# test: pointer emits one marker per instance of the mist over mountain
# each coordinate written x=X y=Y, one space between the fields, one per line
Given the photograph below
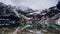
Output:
x=34 y=4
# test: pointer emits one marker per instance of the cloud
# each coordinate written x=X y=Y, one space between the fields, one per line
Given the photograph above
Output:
x=39 y=4
x=6 y=2
x=34 y=4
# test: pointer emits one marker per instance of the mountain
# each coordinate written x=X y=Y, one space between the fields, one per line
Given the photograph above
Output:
x=7 y=16
x=24 y=10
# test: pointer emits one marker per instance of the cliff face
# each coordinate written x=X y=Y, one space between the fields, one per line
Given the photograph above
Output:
x=58 y=5
x=7 y=16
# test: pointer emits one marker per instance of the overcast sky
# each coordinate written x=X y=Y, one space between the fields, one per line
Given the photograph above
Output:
x=34 y=4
